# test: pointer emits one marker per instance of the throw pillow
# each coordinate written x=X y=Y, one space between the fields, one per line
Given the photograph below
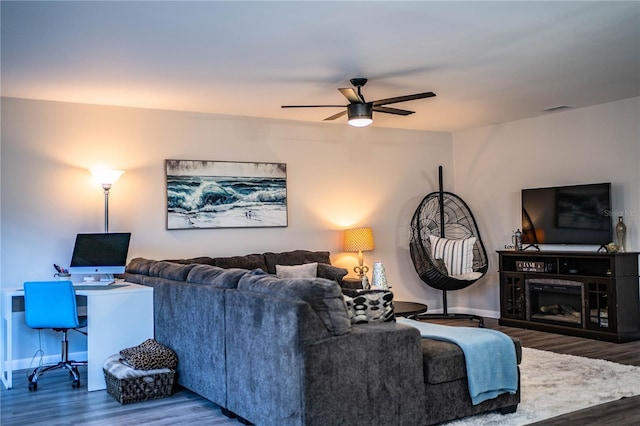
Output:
x=331 y=272
x=308 y=270
x=456 y=254
x=370 y=306
x=149 y=355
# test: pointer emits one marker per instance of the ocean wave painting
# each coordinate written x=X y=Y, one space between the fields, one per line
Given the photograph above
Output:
x=223 y=194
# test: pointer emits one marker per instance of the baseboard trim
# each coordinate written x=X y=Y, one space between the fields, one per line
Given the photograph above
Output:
x=460 y=310
x=28 y=363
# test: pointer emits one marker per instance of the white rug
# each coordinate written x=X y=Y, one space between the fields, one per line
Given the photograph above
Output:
x=554 y=384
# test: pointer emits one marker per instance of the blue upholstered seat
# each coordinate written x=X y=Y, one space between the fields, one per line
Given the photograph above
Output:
x=52 y=305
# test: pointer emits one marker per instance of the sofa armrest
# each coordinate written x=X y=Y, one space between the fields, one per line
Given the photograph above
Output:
x=285 y=368
x=372 y=375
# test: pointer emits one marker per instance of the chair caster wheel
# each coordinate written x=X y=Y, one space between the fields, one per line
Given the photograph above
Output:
x=75 y=384
x=33 y=386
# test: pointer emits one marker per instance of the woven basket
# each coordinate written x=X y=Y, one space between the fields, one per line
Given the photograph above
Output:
x=134 y=389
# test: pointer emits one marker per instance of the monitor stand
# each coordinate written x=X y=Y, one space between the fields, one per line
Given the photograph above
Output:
x=102 y=279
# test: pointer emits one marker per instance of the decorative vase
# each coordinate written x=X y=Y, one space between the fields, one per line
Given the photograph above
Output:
x=621 y=232
x=379 y=278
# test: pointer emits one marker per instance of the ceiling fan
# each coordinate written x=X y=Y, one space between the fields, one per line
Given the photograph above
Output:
x=359 y=111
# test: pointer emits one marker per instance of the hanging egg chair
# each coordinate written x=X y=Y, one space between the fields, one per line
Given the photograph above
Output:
x=446 y=248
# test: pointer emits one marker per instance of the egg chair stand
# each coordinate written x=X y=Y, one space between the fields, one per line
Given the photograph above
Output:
x=444 y=214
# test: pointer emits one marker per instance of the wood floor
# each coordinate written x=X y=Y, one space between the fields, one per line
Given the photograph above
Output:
x=56 y=403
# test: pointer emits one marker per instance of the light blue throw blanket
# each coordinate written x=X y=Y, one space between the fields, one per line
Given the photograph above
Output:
x=490 y=357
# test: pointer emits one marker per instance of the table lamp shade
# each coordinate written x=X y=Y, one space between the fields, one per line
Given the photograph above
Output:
x=358 y=239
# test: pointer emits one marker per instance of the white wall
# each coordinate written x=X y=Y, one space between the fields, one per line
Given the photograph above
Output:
x=587 y=145
x=338 y=177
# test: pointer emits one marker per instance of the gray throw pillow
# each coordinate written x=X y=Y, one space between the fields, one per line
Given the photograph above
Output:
x=331 y=272
x=307 y=270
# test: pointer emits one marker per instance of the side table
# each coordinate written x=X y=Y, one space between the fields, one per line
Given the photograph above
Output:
x=352 y=283
x=409 y=309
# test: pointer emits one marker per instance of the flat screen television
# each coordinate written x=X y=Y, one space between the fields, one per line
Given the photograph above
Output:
x=100 y=253
x=577 y=214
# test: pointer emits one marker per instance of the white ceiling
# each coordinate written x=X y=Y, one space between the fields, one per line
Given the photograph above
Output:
x=488 y=62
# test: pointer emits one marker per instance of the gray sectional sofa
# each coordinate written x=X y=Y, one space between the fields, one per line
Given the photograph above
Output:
x=276 y=351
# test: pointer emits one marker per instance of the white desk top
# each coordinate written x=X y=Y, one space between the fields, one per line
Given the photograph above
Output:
x=93 y=290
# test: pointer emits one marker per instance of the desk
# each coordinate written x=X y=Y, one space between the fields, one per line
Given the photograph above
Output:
x=117 y=318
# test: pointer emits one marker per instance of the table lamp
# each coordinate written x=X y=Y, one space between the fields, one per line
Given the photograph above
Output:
x=359 y=239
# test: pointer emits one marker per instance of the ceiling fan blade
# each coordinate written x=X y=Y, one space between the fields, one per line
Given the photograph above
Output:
x=403 y=98
x=392 y=110
x=313 y=106
x=351 y=95
x=334 y=116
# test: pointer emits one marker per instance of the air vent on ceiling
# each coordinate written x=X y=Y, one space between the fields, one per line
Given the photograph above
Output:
x=557 y=108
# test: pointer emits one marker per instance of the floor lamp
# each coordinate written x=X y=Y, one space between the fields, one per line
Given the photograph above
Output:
x=106 y=177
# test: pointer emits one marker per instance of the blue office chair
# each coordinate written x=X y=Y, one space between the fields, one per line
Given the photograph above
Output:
x=52 y=304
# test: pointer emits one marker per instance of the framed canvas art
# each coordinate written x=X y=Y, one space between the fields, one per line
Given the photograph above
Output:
x=225 y=194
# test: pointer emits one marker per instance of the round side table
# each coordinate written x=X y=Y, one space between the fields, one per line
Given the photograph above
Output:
x=409 y=309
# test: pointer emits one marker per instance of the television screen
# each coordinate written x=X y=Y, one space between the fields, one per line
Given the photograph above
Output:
x=578 y=214
x=100 y=253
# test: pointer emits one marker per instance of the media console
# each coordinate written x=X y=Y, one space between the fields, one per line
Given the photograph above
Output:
x=585 y=294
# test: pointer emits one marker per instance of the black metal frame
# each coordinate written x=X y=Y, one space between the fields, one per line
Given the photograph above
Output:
x=65 y=362
x=446 y=215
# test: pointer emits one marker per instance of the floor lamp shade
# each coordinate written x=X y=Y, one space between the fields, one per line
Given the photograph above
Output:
x=106 y=177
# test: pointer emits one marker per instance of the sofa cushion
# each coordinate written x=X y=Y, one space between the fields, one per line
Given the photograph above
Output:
x=250 y=262
x=202 y=260
x=370 y=306
x=296 y=257
x=213 y=275
x=170 y=270
x=444 y=361
x=324 y=296
x=140 y=265
x=306 y=270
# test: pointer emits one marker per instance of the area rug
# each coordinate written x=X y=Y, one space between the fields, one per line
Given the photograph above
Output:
x=554 y=384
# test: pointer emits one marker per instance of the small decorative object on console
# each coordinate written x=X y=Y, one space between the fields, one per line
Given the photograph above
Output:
x=529 y=266
x=517 y=239
x=621 y=232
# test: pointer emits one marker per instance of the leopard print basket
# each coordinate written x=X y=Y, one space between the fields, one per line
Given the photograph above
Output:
x=149 y=355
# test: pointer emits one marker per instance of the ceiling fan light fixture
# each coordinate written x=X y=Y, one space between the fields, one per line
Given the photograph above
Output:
x=360 y=115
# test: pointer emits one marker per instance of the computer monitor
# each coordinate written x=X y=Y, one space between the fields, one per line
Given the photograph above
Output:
x=100 y=254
